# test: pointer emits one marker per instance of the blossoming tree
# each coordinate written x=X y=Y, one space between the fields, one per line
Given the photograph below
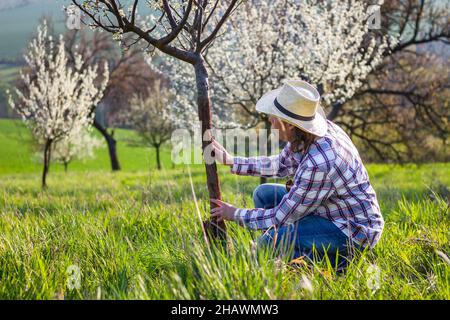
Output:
x=181 y=82
x=325 y=42
x=151 y=116
x=128 y=74
x=182 y=29
x=55 y=98
x=79 y=144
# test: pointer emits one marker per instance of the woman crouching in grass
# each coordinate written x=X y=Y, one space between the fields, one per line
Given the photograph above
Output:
x=329 y=208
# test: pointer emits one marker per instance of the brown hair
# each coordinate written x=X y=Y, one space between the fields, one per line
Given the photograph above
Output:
x=300 y=140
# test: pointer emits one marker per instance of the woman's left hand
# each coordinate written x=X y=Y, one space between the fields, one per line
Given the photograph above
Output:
x=224 y=211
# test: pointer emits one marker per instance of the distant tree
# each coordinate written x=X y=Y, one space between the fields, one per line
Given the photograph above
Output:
x=55 y=98
x=129 y=74
x=151 y=116
x=79 y=144
x=403 y=112
x=327 y=43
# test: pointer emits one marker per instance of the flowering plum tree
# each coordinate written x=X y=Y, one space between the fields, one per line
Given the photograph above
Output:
x=128 y=73
x=151 y=116
x=55 y=99
x=79 y=144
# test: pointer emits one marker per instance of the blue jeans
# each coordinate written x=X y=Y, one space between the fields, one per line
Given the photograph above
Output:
x=312 y=236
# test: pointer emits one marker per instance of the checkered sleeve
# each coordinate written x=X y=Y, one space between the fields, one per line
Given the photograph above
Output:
x=311 y=187
x=274 y=166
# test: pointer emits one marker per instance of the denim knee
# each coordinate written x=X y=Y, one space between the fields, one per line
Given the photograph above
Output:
x=268 y=195
x=257 y=201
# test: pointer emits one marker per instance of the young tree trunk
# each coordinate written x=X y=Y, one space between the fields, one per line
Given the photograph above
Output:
x=66 y=165
x=112 y=150
x=47 y=155
x=267 y=126
x=158 y=159
x=335 y=110
x=213 y=228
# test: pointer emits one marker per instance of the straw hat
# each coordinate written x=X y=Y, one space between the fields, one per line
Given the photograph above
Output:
x=298 y=103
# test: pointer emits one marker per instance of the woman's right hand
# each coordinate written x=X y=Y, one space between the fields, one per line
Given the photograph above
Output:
x=221 y=154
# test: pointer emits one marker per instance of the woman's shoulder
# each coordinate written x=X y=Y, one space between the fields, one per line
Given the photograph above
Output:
x=321 y=154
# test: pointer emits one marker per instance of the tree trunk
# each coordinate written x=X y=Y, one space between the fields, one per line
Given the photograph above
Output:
x=335 y=110
x=158 y=159
x=267 y=126
x=66 y=165
x=47 y=155
x=112 y=150
x=214 y=229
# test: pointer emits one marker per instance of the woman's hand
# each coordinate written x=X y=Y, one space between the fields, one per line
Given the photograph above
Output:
x=224 y=211
x=221 y=154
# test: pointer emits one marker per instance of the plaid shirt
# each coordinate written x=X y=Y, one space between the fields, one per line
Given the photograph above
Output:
x=330 y=181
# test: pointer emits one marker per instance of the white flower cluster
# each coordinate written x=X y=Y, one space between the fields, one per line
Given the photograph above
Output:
x=151 y=115
x=326 y=42
x=57 y=98
x=183 y=109
x=80 y=144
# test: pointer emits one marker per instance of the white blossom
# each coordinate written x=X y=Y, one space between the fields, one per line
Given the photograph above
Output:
x=183 y=110
x=79 y=144
x=56 y=98
x=269 y=41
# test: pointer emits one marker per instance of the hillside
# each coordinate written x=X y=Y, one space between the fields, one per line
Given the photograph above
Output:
x=20 y=21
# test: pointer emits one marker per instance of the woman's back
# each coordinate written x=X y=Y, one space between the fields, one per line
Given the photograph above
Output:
x=352 y=205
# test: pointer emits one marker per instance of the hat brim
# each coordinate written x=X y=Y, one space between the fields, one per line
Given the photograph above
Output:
x=318 y=126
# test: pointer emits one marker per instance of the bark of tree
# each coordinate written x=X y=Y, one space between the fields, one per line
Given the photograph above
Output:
x=267 y=126
x=215 y=229
x=112 y=150
x=158 y=159
x=335 y=110
x=66 y=165
x=47 y=156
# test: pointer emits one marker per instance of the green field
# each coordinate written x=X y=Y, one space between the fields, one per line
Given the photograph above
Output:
x=17 y=155
x=137 y=233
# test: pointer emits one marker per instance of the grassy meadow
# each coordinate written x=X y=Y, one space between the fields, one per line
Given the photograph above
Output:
x=136 y=234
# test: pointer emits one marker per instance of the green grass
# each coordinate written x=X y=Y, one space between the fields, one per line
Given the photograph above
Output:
x=137 y=234
x=18 y=156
